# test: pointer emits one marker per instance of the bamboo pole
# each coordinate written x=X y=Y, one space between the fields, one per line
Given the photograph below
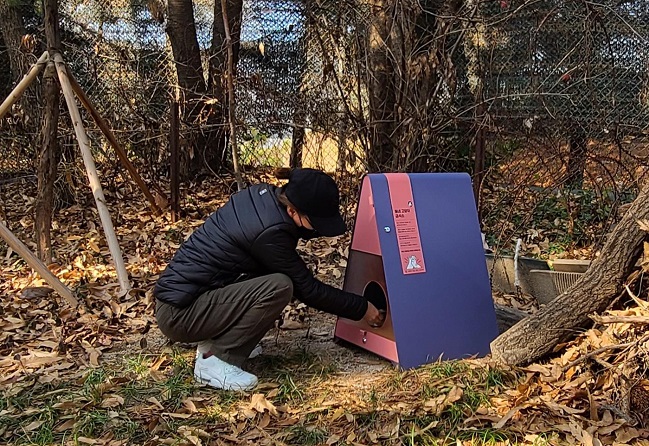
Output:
x=231 y=102
x=33 y=261
x=23 y=84
x=95 y=185
x=121 y=154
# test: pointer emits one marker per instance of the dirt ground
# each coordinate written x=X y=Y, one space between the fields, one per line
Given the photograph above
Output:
x=315 y=336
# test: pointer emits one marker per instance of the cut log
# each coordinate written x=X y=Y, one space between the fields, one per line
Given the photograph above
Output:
x=507 y=317
x=536 y=335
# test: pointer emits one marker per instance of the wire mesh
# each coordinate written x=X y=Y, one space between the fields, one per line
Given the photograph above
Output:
x=557 y=92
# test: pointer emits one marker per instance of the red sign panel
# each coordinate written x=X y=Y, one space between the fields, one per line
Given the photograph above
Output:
x=405 y=224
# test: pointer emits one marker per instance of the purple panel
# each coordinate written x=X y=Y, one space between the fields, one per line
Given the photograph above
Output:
x=447 y=311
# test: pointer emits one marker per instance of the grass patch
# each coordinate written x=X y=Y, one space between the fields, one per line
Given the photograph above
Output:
x=128 y=429
x=473 y=398
x=133 y=392
x=93 y=384
x=92 y=424
x=302 y=363
x=485 y=436
x=180 y=362
x=374 y=397
x=446 y=369
x=310 y=409
x=41 y=435
x=417 y=434
x=308 y=435
x=288 y=390
x=137 y=365
x=495 y=378
x=176 y=388
x=397 y=381
x=367 y=420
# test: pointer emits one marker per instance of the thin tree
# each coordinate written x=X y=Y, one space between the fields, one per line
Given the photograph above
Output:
x=49 y=154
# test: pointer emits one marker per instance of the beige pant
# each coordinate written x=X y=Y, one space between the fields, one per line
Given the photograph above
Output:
x=233 y=318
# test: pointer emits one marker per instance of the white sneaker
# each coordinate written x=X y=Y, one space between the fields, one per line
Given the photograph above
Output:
x=218 y=373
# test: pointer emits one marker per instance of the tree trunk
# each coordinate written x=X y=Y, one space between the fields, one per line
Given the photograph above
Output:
x=561 y=319
x=181 y=29
x=577 y=157
x=382 y=90
x=218 y=69
x=12 y=28
x=5 y=69
x=297 y=146
x=219 y=50
x=49 y=155
x=507 y=317
x=231 y=97
x=48 y=160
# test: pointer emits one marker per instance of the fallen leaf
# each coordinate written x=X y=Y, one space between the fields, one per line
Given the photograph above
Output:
x=265 y=421
x=155 y=401
x=33 y=425
x=293 y=325
x=259 y=403
x=189 y=404
x=625 y=435
x=69 y=424
x=333 y=439
x=112 y=401
x=177 y=415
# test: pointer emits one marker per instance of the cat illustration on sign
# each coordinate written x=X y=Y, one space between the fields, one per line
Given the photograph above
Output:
x=412 y=263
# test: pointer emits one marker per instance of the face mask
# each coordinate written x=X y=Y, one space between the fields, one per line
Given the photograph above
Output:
x=307 y=234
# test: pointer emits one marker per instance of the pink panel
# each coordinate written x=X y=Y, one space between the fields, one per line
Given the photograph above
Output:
x=366 y=236
x=367 y=340
x=405 y=223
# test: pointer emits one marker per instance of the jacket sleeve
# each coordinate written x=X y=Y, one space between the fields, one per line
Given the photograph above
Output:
x=275 y=250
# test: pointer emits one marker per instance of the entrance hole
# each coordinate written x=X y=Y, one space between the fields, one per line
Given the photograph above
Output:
x=374 y=293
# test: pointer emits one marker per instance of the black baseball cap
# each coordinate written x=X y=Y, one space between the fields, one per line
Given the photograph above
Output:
x=315 y=194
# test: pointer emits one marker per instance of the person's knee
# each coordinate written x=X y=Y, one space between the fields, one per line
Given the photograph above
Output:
x=283 y=286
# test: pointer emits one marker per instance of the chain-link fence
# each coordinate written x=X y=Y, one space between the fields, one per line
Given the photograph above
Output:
x=544 y=93
x=566 y=112
x=294 y=84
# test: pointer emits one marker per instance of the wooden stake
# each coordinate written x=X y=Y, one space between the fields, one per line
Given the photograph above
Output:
x=231 y=103
x=23 y=84
x=121 y=154
x=95 y=185
x=33 y=261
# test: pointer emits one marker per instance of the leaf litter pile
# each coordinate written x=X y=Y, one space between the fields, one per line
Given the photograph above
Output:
x=102 y=374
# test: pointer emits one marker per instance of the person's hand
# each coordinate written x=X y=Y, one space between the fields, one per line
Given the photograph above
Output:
x=374 y=317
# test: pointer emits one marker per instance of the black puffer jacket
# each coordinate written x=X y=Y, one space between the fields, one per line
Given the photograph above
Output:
x=251 y=235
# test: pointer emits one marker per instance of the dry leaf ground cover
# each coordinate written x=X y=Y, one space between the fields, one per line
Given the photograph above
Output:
x=103 y=374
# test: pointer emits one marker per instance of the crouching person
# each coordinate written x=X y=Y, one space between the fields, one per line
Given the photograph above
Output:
x=231 y=279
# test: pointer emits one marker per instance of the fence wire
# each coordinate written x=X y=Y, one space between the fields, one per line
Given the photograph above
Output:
x=556 y=92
